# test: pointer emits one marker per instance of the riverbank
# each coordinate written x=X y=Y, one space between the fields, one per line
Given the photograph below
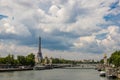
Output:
x=37 y=67
x=14 y=69
x=110 y=72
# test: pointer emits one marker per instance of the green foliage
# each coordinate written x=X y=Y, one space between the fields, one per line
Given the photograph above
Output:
x=30 y=59
x=115 y=58
x=9 y=59
x=2 y=61
x=21 y=60
x=63 y=61
x=102 y=61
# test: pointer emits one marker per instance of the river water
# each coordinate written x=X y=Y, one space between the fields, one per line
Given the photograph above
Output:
x=54 y=74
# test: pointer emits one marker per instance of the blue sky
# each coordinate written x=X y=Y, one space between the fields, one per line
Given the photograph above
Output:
x=72 y=29
x=3 y=16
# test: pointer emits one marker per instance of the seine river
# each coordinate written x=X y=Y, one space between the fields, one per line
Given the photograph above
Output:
x=55 y=74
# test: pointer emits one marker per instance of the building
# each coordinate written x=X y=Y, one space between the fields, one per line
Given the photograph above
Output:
x=39 y=57
x=105 y=59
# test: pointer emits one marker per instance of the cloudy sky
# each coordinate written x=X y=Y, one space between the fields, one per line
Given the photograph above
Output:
x=71 y=29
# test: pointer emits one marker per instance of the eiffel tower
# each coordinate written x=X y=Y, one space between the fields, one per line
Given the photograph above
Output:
x=39 y=54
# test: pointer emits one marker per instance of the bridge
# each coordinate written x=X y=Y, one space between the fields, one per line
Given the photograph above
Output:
x=65 y=66
x=77 y=66
x=87 y=65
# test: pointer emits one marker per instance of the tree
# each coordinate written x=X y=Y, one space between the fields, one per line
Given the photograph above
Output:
x=115 y=58
x=21 y=60
x=9 y=59
x=102 y=61
x=55 y=60
x=30 y=59
x=2 y=61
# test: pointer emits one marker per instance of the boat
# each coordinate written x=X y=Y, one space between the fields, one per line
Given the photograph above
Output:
x=99 y=69
x=111 y=76
x=102 y=73
x=42 y=67
x=111 y=73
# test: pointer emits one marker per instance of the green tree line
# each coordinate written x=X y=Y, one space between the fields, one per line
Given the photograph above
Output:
x=21 y=60
x=64 y=61
x=115 y=58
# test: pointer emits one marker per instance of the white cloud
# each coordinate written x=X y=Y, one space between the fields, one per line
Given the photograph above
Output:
x=53 y=10
x=7 y=27
x=83 y=18
x=12 y=48
x=112 y=40
x=92 y=43
x=84 y=41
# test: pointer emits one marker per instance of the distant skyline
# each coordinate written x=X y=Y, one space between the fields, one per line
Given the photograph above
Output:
x=71 y=29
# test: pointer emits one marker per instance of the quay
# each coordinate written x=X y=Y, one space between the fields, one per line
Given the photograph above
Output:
x=66 y=66
x=110 y=72
x=9 y=68
x=53 y=66
x=15 y=69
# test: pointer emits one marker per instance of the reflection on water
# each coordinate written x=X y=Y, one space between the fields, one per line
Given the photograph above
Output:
x=55 y=74
x=104 y=78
